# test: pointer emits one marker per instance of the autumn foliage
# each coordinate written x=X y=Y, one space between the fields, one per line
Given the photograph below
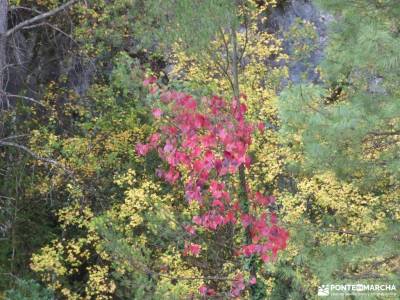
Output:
x=203 y=144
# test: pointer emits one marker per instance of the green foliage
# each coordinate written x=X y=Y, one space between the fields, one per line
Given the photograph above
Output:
x=28 y=290
x=123 y=75
x=347 y=124
x=204 y=18
x=351 y=126
x=356 y=260
x=302 y=38
x=89 y=133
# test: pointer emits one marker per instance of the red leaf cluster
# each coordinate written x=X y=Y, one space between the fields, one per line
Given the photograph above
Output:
x=209 y=139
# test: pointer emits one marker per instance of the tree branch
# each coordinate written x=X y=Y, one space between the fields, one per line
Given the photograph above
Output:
x=40 y=17
x=12 y=8
x=53 y=27
x=387 y=133
x=36 y=156
x=25 y=98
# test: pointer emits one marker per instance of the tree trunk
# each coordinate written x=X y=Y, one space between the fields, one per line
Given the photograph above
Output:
x=244 y=197
x=3 y=43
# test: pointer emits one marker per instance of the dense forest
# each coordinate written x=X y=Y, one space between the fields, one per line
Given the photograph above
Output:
x=213 y=149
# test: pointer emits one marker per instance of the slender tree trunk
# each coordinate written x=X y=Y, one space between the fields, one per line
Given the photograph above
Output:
x=242 y=174
x=3 y=43
x=235 y=65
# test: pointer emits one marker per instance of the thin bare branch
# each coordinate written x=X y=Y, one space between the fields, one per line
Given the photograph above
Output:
x=25 y=98
x=387 y=133
x=53 y=27
x=36 y=156
x=226 y=44
x=12 y=8
x=224 y=71
x=12 y=137
x=40 y=17
x=246 y=40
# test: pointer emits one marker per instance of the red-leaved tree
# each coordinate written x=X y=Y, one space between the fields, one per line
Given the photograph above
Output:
x=203 y=144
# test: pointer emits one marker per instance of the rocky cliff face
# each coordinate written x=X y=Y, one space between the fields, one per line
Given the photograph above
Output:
x=35 y=57
x=280 y=21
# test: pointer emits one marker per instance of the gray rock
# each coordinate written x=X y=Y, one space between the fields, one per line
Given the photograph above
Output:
x=280 y=21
